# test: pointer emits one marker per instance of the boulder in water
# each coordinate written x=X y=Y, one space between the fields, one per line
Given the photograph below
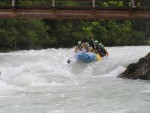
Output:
x=139 y=70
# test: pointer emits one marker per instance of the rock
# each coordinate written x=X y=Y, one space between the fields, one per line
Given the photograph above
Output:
x=139 y=70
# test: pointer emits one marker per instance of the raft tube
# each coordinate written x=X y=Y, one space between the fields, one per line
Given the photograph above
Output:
x=88 y=57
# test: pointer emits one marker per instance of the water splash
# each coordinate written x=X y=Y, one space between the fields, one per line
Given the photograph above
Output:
x=41 y=81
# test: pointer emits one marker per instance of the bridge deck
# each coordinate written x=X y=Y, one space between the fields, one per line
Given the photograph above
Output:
x=75 y=9
x=54 y=13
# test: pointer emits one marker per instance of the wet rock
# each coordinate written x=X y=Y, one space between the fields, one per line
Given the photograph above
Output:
x=139 y=70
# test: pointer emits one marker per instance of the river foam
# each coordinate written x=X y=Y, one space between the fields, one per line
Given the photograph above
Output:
x=41 y=81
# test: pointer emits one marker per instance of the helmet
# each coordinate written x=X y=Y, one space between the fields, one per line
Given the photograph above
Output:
x=101 y=44
x=96 y=41
x=87 y=44
x=79 y=42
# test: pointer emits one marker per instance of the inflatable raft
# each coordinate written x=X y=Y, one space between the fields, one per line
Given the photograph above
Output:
x=87 y=56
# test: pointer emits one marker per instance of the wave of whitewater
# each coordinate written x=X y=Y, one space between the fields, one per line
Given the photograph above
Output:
x=41 y=81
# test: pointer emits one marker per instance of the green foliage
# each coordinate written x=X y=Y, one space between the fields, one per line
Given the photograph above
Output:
x=117 y=33
x=34 y=2
x=87 y=32
x=66 y=3
x=23 y=34
x=112 y=4
x=5 y=3
x=34 y=34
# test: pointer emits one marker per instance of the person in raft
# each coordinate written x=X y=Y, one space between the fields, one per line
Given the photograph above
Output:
x=98 y=47
x=82 y=47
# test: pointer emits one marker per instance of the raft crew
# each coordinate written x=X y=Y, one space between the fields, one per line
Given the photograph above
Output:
x=93 y=47
x=78 y=47
x=100 y=48
x=103 y=50
x=84 y=47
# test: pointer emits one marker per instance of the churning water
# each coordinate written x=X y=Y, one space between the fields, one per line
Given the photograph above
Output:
x=41 y=81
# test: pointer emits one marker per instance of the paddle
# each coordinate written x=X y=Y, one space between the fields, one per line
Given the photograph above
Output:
x=93 y=42
x=69 y=60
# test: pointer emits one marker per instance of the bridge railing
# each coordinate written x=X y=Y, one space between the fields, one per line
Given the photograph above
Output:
x=76 y=4
x=5 y=3
x=113 y=4
x=37 y=3
x=144 y=4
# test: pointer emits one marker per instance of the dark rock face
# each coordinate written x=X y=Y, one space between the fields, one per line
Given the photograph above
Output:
x=139 y=70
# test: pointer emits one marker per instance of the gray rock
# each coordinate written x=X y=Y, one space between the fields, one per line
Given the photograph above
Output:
x=139 y=70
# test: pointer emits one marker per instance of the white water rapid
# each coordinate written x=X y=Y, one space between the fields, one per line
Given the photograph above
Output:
x=41 y=81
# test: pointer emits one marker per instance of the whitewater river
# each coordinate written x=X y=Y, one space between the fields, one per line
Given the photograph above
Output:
x=41 y=81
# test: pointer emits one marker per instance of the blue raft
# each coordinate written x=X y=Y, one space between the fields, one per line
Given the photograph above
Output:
x=86 y=57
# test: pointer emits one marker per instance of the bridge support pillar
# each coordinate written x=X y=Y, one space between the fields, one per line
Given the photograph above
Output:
x=93 y=3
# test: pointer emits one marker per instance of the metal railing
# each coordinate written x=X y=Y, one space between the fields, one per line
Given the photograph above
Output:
x=76 y=4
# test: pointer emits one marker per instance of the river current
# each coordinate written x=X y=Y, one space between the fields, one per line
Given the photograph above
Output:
x=41 y=81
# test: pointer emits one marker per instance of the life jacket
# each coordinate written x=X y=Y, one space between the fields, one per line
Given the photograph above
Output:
x=98 y=57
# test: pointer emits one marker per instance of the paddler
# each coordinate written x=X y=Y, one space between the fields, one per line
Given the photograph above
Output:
x=78 y=47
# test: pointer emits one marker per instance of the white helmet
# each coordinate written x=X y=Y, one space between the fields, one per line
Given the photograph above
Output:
x=79 y=42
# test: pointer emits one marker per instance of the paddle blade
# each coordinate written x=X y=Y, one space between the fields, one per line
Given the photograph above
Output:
x=69 y=61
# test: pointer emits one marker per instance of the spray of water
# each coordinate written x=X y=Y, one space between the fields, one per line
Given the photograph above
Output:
x=41 y=81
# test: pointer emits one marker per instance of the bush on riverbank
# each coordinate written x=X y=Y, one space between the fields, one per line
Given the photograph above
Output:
x=18 y=34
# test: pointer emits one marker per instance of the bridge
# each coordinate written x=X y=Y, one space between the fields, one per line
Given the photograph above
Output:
x=75 y=9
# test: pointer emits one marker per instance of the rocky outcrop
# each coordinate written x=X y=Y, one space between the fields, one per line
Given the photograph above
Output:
x=139 y=70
